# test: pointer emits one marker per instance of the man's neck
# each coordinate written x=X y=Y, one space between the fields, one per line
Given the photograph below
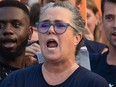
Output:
x=111 y=57
x=19 y=62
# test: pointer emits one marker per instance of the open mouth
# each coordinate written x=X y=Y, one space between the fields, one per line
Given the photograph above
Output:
x=8 y=43
x=114 y=34
x=52 y=43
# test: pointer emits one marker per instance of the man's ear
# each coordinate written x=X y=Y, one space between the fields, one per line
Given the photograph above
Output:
x=30 y=32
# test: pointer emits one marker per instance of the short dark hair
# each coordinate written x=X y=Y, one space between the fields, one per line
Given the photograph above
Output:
x=14 y=4
x=103 y=3
x=34 y=13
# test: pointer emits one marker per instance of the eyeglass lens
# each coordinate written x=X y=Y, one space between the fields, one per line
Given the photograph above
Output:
x=59 y=27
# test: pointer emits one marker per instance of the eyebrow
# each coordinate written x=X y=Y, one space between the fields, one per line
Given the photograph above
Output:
x=10 y=21
x=109 y=15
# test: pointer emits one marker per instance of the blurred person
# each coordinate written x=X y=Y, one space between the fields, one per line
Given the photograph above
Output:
x=93 y=19
x=33 y=44
x=34 y=15
x=105 y=64
x=31 y=2
x=92 y=45
x=92 y=34
x=57 y=34
x=78 y=4
x=14 y=34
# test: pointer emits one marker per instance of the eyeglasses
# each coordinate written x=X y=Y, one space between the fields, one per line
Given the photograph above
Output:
x=59 y=27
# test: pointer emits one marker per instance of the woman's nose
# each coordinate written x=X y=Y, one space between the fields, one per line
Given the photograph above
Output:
x=51 y=30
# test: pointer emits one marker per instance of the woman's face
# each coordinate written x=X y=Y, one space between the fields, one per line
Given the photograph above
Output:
x=57 y=47
x=92 y=20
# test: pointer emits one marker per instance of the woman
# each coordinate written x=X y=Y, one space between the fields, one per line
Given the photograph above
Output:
x=93 y=19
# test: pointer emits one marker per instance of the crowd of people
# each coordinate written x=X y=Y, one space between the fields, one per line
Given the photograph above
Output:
x=48 y=39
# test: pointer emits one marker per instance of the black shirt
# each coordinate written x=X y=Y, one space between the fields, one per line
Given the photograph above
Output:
x=5 y=70
x=99 y=65
x=33 y=77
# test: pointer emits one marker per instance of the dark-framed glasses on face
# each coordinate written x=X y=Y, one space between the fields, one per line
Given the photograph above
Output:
x=59 y=27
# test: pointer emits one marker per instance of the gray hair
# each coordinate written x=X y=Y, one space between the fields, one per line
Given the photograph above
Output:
x=77 y=21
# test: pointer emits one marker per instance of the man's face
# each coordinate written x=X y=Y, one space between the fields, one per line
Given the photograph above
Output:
x=56 y=46
x=14 y=31
x=109 y=22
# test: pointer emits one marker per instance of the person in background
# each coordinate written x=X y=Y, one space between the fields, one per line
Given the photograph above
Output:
x=34 y=15
x=34 y=12
x=78 y=4
x=105 y=64
x=14 y=34
x=33 y=44
x=57 y=33
x=92 y=30
x=31 y=2
x=93 y=19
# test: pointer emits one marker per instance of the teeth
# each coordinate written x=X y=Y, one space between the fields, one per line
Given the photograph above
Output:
x=51 y=48
x=113 y=33
x=52 y=44
x=9 y=45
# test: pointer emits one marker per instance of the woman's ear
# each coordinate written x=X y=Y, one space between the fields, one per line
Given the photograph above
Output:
x=78 y=38
x=30 y=32
x=98 y=17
